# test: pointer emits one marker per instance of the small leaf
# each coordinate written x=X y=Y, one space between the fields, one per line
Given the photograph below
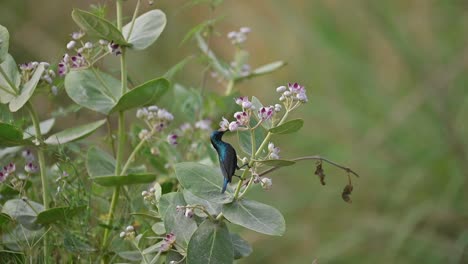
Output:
x=255 y=216
x=146 y=30
x=145 y=94
x=11 y=136
x=176 y=222
x=267 y=68
x=74 y=133
x=58 y=214
x=93 y=89
x=153 y=248
x=28 y=90
x=97 y=26
x=4 y=42
x=45 y=127
x=203 y=181
x=241 y=247
x=23 y=212
x=220 y=66
x=99 y=162
x=130 y=255
x=4 y=219
x=114 y=180
x=210 y=244
x=288 y=127
x=276 y=162
x=7 y=93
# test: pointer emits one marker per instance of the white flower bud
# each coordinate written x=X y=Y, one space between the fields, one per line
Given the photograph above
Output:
x=88 y=45
x=266 y=183
x=71 y=44
x=281 y=89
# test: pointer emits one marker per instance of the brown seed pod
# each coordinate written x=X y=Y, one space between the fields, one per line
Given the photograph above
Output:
x=348 y=189
x=320 y=173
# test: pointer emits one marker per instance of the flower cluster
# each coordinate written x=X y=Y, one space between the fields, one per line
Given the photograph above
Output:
x=149 y=195
x=6 y=171
x=243 y=117
x=168 y=241
x=273 y=151
x=239 y=37
x=27 y=70
x=129 y=233
x=157 y=119
x=265 y=182
x=294 y=92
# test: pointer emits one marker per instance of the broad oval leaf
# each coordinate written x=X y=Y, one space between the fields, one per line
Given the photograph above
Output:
x=146 y=29
x=255 y=216
x=93 y=89
x=114 y=180
x=203 y=181
x=97 y=26
x=158 y=228
x=45 y=127
x=288 y=127
x=99 y=162
x=241 y=247
x=58 y=214
x=176 y=222
x=28 y=90
x=4 y=42
x=276 y=162
x=210 y=244
x=145 y=94
x=74 y=133
x=11 y=136
x=23 y=212
x=7 y=93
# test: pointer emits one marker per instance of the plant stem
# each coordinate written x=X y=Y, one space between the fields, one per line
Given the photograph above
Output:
x=121 y=137
x=229 y=87
x=132 y=156
x=42 y=168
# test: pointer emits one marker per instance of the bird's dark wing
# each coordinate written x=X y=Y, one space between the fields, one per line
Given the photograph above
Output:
x=229 y=162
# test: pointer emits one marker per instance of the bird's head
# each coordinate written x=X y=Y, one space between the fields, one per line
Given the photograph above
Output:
x=217 y=135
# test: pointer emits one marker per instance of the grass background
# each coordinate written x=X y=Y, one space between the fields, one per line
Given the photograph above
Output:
x=386 y=82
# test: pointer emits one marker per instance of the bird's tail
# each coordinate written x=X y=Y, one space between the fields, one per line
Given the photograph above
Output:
x=226 y=181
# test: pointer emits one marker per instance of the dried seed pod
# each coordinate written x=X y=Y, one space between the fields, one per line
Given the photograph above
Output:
x=348 y=189
x=320 y=173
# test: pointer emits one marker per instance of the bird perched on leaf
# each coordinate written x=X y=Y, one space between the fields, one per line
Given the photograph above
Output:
x=227 y=157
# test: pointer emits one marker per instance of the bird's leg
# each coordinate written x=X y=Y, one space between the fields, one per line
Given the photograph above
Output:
x=246 y=164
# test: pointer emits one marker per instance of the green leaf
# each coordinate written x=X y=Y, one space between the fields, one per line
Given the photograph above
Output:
x=277 y=162
x=174 y=256
x=74 y=133
x=23 y=212
x=288 y=127
x=45 y=127
x=158 y=228
x=97 y=26
x=177 y=68
x=267 y=68
x=210 y=244
x=114 y=180
x=176 y=222
x=146 y=30
x=58 y=214
x=203 y=181
x=257 y=104
x=245 y=140
x=166 y=200
x=99 y=162
x=93 y=89
x=28 y=90
x=142 y=95
x=212 y=208
x=241 y=247
x=11 y=136
x=7 y=93
x=4 y=219
x=255 y=216
x=130 y=255
x=4 y=42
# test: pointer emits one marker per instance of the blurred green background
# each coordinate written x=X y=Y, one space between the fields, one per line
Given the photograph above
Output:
x=387 y=91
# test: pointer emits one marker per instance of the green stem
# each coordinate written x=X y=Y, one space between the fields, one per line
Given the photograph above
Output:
x=132 y=156
x=135 y=14
x=121 y=138
x=229 y=87
x=12 y=85
x=42 y=168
